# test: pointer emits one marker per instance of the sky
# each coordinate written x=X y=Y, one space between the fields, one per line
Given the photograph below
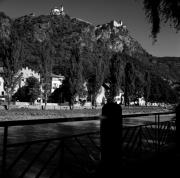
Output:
x=103 y=11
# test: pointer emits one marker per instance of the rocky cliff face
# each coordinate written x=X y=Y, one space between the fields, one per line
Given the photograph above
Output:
x=118 y=38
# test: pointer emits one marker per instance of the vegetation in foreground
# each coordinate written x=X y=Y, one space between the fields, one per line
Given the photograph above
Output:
x=25 y=113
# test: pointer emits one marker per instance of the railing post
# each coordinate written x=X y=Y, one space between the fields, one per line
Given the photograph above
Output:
x=140 y=140
x=111 y=139
x=178 y=128
x=4 y=151
x=155 y=137
x=61 y=159
x=158 y=134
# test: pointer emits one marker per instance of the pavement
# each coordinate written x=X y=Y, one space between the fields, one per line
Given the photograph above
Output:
x=163 y=164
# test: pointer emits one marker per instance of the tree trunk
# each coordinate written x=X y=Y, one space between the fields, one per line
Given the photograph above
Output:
x=45 y=102
x=8 y=101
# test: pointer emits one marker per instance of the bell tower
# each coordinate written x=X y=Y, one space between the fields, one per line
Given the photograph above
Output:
x=62 y=8
x=58 y=11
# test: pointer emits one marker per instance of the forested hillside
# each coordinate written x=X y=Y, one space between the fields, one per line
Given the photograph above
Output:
x=82 y=53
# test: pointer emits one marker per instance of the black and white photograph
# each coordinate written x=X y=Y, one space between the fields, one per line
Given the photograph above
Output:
x=89 y=88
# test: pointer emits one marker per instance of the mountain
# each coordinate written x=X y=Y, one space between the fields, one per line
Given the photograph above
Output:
x=63 y=32
x=114 y=35
x=168 y=67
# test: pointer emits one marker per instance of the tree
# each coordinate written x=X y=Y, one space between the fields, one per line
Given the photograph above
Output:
x=56 y=96
x=21 y=95
x=138 y=88
x=129 y=83
x=160 y=91
x=44 y=51
x=10 y=54
x=115 y=77
x=147 y=85
x=33 y=88
x=30 y=92
x=100 y=71
x=74 y=79
x=155 y=93
x=162 y=11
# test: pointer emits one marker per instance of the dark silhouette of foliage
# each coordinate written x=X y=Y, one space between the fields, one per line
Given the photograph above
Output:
x=21 y=95
x=30 y=92
x=33 y=86
x=147 y=85
x=115 y=77
x=138 y=88
x=160 y=91
x=162 y=11
x=57 y=96
x=100 y=71
x=44 y=52
x=74 y=79
x=10 y=54
x=129 y=83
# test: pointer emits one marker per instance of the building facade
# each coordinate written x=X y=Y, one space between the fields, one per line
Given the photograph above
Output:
x=56 y=80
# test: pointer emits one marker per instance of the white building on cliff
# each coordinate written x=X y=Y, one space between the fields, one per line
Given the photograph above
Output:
x=57 y=11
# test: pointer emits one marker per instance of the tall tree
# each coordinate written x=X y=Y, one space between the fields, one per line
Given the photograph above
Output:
x=138 y=87
x=33 y=86
x=44 y=51
x=74 y=79
x=147 y=86
x=129 y=83
x=115 y=77
x=100 y=68
x=10 y=53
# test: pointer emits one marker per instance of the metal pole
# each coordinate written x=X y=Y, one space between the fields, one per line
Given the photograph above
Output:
x=4 y=150
x=177 y=122
x=61 y=160
x=155 y=139
x=158 y=133
x=140 y=141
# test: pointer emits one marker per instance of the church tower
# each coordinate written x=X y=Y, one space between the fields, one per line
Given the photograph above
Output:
x=57 y=11
x=62 y=10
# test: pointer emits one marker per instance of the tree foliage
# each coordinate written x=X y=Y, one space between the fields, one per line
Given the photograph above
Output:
x=44 y=52
x=160 y=91
x=147 y=85
x=100 y=72
x=162 y=11
x=74 y=79
x=30 y=92
x=129 y=83
x=115 y=77
x=10 y=54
